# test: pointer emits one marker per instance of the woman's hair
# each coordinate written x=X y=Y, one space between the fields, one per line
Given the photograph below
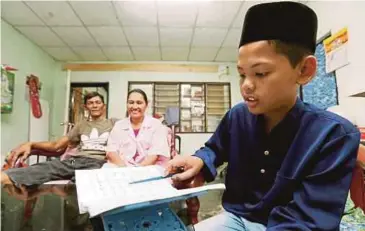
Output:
x=140 y=92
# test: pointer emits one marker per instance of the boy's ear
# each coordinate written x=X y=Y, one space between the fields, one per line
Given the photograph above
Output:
x=307 y=70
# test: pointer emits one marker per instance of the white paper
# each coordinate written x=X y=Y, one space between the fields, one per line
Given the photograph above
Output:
x=105 y=189
x=337 y=58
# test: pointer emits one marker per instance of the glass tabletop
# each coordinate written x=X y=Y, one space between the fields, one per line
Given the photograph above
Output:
x=43 y=208
x=49 y=208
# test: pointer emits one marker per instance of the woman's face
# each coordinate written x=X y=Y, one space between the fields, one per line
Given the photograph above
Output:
x=136 y=105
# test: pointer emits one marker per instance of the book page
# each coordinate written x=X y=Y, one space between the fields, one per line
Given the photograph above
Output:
x=113 y=183
x=102 y=190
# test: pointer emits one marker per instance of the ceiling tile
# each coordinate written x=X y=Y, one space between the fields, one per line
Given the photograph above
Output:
x=90 y=53
x=96 y=13
x=217 y=14
x=18 y=14
x=75 y=36
x=142 y=36
x=118 y=53
x=175 y=53
x=238 y=22
x=147 y=53
x=175 y=36
x=177 y=13
x=41 y=35
x=227 y=55
x=62 y=53
x=233 y=38
x=108 y=36
x=136 y=13
x=209 y=37
x=202 y=54
x=55 y=13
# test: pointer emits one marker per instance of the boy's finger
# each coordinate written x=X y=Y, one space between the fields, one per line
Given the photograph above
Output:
x=170 y=168
x=172 y=165
x=188 y=174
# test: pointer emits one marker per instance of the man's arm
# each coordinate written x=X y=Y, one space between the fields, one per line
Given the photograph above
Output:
x=215 y=151
x=319 y=202
x=23 y=150
x=62 y=143
x=52 y=146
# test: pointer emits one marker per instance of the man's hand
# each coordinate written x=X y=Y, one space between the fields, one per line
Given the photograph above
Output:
x=21 y=152
x=191 y=165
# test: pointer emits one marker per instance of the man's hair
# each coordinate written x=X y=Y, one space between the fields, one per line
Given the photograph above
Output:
x=92 y=95
x=294 y=53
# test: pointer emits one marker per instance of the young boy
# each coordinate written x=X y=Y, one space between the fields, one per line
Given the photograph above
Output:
x=289 y=163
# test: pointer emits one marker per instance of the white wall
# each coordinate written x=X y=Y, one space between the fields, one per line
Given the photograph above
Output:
x=19 y=52
x=333 y=16
x=118 y=86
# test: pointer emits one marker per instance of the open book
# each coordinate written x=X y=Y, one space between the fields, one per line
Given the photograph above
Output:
x=106 y=189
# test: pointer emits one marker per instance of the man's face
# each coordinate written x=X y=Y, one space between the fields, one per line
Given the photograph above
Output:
x=268 y=81
x=95 y=106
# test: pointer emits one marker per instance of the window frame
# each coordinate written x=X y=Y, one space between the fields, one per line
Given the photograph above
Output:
x=154 y=83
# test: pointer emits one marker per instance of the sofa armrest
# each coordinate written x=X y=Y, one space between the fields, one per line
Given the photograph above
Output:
x=41 y=152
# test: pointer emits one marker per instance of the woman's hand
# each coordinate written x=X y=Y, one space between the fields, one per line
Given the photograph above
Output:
x=149 y=160
x=114 y=158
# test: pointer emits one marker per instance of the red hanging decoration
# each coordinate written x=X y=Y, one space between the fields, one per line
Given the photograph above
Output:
x=34 y=87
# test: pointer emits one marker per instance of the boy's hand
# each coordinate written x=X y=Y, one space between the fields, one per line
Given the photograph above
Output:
x=191 y=165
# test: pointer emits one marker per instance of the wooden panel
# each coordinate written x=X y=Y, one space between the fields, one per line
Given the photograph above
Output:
x=140 y=67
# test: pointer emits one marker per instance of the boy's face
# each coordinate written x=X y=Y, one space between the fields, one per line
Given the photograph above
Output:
x=268 y=82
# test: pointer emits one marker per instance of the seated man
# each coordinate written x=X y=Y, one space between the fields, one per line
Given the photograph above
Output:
x=289 y=163
x=90 y=136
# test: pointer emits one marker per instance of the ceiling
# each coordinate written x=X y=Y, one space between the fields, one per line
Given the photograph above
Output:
x=131 y=30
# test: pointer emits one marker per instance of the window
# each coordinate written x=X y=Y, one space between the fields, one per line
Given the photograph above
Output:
x=202 y=105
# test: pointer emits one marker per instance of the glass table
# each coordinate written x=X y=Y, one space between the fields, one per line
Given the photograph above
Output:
x=49 y=208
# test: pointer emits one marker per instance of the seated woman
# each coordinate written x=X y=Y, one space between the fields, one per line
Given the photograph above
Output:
x=138 y=140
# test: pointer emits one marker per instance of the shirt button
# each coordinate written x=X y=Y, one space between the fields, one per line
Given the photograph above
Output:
x=262 y=171
x=266 y=153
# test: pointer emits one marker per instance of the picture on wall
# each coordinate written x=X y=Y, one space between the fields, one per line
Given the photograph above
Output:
x=7 y=90
x=322 y=90
x=336 y=50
